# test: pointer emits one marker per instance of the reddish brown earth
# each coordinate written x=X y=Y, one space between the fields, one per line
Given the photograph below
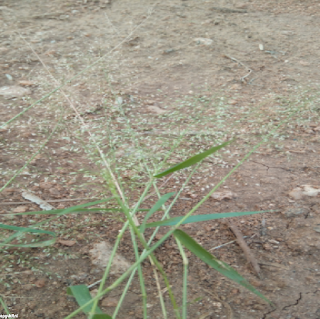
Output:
x=259 y=75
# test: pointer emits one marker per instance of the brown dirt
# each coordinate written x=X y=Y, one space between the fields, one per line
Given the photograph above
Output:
x=153 y=68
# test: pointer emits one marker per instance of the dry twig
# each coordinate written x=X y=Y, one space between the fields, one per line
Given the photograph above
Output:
x=239 y=62
x=245 y=247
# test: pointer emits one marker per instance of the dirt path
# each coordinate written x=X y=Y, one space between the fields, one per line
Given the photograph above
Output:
x=196 y=71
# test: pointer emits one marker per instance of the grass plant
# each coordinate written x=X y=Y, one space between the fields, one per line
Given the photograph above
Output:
x=131 y=148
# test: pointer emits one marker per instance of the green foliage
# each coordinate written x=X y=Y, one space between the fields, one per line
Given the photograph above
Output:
x=82 y=295
x=214 y=262
x=200 y=218
x=21 y=230
x=192 y=160
x=156 y=207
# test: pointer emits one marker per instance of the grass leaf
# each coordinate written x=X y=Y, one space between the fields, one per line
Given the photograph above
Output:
x=82 y=295
x=30 y=230
x=215 y=263
x=155 y=207
x=192 y=160
x=200 y=218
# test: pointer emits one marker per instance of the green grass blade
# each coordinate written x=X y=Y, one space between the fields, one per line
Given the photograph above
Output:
x=215 y=263
x=200 y=218
x=72 y=209
x=56 y=212
x=82 y=295
x=4 y=306
x=37 y=244
x=156 y=207
x=192 y=160
x=63 y=211
x=29 y=230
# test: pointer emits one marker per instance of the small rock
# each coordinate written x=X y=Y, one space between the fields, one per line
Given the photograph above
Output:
x=9 y=92
x=310 y=190
x=267 y=246
x=204 y=41
x=296 y=193
x=9 y=77
x=168 y=51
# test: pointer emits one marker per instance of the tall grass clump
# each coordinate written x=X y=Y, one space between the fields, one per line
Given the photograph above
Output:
x=121 y=202
x=155 y=162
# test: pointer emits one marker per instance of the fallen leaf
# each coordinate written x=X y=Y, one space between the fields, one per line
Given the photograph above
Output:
x=20 y=209
x=223 y=195
x=35 y=199
x=26 y=83
x=309 y=190
x=68 y=243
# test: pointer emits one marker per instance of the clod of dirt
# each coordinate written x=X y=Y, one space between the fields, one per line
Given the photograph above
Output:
x=10 y=92
x=296 y=211
x=304 y=241
x=100 y=255
x=40 y=283
x=109 y=302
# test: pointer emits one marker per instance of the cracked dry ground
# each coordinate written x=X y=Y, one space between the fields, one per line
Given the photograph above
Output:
x=162 y=54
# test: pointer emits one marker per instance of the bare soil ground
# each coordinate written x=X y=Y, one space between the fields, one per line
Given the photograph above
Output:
x=217 y=69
